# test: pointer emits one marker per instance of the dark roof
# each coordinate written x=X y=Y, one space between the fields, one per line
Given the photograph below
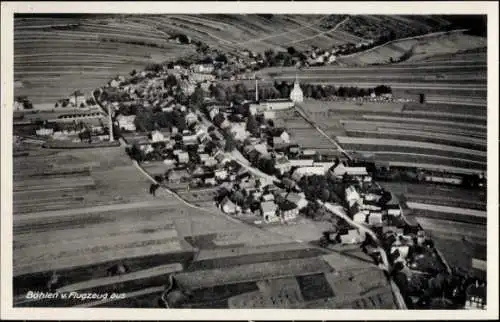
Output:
x=286 y=205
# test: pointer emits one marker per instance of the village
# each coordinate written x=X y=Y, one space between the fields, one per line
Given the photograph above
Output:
x=171 y=123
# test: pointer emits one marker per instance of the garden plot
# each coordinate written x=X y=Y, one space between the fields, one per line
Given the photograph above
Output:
x=426 y=160
x=425 y=121
x=374 y=125
x=420 y=136
x=369 y=144
x=421 y=48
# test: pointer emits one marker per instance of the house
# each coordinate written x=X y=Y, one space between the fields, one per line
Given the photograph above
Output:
x=146 y=148
x=393 y=209
x=183 y=157
x=268 y=197
x=126 y=122
x=170 y=163
x=261 y=148
x=239 y=132
x=210 y=162
x=210 y=181
x=204 y=157
x=401 y=247
x=307 y=171
x=353 y=236
x=191 y=118
x=268 y=211
x=289 y=184
x=357 y=214
x=301 y=162
x=375 y=219
x=178 y=176
x=352 y=195
x=44 y=132
x=288 y=210
x=475 y=297
x=308 y=153
x=269 y=115
x=114 y=83
x=222 y=159
x=228 y=207
x=284 y=136
x=279 y=143
x=325 y=165
x=157 y=136
x=282 y=165
x=299 y=199
x=213 y=113
x=77 y=100
x=202 y=68
x=221 y=174
x=340 y=170
x=190 y=140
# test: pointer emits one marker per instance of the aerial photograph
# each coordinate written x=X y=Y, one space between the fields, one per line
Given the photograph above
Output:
x=247 y=161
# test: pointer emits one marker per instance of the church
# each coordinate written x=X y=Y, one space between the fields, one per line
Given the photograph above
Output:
x=296 y=95
x=260 y=106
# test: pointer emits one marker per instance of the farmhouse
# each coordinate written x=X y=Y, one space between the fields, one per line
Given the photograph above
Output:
x=126 y=122
x=191 y=118
x=157 y=136
x=178 y=176
x=288 y=210
x=353 y=236
x=228 y=206
x=202 y=68
x=307 y=171
x=44 y=132
x=299 y=199
x=182 y=157
x=268 y=211
x=282 y=165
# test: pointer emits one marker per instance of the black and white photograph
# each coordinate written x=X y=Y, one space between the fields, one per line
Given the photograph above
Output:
x=194 y=157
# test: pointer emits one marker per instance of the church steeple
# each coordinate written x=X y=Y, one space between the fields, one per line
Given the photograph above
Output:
x=296 y=95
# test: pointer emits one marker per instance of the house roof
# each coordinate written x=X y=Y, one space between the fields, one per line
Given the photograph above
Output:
x=268 y=206
x=227 y=202
x=294 y=197
x=286 y=205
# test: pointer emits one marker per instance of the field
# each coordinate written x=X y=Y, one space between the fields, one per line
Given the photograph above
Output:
x=423 y=134
x=56 y=55
x=53 y=57
x=78 y=213
x=417 y=48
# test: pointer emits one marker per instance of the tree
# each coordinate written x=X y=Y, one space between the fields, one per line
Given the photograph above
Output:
x=171 y=81
x=221 y=58
x=196 y=99
x=219 y=93
x=291 y=50
x=230 y=144
x=183 y=39
x=57 y=105
x=325 y=194
x=27 y=104
x=252 y=125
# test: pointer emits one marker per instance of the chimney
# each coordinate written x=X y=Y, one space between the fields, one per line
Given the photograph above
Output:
x=110 y=123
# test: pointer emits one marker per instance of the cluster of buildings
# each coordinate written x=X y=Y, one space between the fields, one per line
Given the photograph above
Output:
x=197 y=156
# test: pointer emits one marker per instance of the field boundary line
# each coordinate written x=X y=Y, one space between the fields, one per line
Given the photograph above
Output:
x=403 y=39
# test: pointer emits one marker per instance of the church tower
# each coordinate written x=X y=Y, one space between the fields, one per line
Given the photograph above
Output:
x=296 y=95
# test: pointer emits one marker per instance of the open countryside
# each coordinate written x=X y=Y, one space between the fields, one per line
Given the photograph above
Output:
x=251 y=161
